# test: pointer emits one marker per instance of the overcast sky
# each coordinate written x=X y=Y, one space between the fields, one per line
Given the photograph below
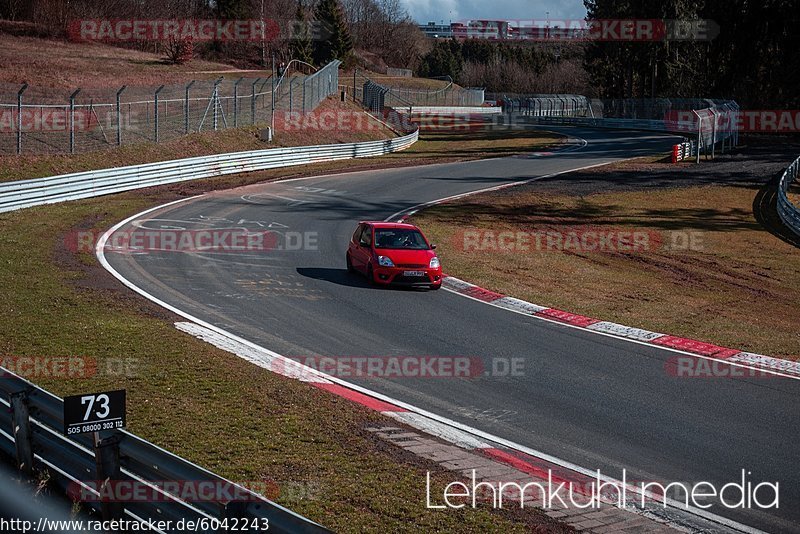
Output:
x=424 y=11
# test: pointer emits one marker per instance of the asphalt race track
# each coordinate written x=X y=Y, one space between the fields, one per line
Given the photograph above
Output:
x=596 y=401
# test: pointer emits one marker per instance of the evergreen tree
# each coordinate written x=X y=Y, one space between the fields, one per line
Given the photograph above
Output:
x=301 y=47
x=232 y=9
x=445 y=59
x=335 y=41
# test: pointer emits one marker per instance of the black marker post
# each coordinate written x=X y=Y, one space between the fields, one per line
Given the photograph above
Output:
x=93 y=413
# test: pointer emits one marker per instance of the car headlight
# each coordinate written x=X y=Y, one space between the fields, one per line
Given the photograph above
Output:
x=434 y=263
x=385 y=261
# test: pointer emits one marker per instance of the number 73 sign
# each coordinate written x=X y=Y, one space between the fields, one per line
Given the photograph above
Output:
x=94 y=412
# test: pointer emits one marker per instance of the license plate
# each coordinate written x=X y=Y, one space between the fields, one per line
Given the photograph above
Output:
x=413 y=273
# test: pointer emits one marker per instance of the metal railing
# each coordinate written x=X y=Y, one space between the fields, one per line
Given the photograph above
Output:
x=788 y=212
x=457 y=111
x=540 y=105
x=71 y=464
x=710 y=127
x=395 y=96
x=320 y=85
x=27 y=193
x=34 y=120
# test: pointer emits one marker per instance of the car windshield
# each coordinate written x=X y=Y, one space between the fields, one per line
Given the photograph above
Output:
x=396 y=238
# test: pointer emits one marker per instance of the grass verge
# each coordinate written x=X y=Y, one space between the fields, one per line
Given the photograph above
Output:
x=711 y=271
x=202 y=403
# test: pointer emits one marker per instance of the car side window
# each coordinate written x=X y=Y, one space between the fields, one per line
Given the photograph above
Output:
x=366 y=237
x=357 y=233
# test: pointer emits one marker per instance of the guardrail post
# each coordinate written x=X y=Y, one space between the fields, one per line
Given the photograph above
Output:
x=119 y=115
x=72 y=121
x=186 y=107
x=22 y=431
x=235 y=510
x=155 y=113
x=19 y=117
x=106 y=455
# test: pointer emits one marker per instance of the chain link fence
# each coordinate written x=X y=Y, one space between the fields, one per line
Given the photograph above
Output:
x=36 y=120
x=449 y=95
x=544 y=105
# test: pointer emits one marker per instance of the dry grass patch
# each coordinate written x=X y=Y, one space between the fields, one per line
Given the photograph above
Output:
x=62 y=66
x=739 y=287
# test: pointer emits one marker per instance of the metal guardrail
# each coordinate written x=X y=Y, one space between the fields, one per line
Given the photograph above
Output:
x=70 y=462
x=788 y=212
x=455 y=110
x=27 y=193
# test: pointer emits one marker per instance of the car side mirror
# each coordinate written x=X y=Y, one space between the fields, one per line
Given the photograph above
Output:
x=433 y=247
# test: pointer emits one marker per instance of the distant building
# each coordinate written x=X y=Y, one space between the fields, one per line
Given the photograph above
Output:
x=501 y=30
x=473 y=29
x=437 y=31
x=487 y=29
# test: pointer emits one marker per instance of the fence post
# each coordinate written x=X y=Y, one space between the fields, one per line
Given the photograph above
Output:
x=106 y=455
x=713 y=133
x=236 y=102
x=119 y=115
x=304 y=95
x=186 y=107
x=155 y=113
x=699 y=134
x=22 y=431
x=72 y=121
x=253 y=101
x=215 y=103
x=274 y=88
x=19 y=117
x=355 y=71
x=291 y=102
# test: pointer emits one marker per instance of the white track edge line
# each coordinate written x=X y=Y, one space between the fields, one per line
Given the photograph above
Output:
x=99 y=251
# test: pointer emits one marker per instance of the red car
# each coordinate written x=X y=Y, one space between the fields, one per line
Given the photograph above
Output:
x=394 y=253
